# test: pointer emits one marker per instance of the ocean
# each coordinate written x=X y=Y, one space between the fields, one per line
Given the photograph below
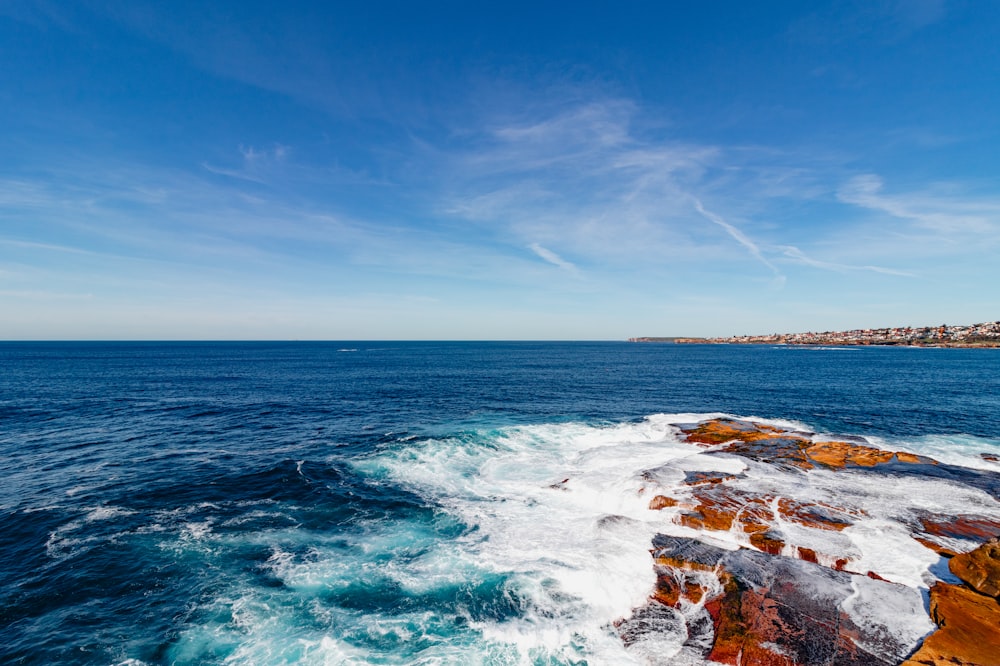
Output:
x=420 y=502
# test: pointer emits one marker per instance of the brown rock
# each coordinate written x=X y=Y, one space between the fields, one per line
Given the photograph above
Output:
x=939 y=532
x=968 y=633
x=821 y=516
x=720 y=431
x=769 y=542
x=779 y=610
x=808 y=554
x=674 y=584
x=698 y=478
x=719 y=506
x=980 y=569
x=662 y=502
x=842 y=454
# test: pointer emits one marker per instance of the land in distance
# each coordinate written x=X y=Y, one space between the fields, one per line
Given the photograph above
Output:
x=973 y=335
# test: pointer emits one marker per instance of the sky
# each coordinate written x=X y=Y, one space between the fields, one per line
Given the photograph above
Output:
x=518 y=170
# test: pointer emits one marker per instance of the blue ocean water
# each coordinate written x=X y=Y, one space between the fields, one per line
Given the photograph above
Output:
x=359 y=502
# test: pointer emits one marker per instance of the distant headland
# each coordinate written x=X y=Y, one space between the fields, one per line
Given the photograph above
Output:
x=972 y=335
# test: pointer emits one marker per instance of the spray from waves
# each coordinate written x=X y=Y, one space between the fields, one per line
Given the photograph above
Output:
x=532 y=547
x=563 y=510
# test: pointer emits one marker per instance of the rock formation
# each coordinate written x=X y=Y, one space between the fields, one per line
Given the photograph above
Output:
x=777 y=595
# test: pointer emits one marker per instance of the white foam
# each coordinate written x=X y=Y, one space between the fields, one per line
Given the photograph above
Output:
x=557 y=507
x=564 y=508
x=893 y=616
x=106 y=513
x=961 y=450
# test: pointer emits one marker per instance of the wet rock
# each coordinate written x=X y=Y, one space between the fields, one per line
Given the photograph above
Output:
x=770 y=541
x=780 y=610
x=980 y=569
x=844 y=454
x=990 y=457
x=698 y=478
x=650 y=619
x=685 y=553
x=727 y=507
x=950 y=535
x=673 y=585
x=787 y=449
x=662 y=502
x=720 y=431
x=718 y=507
x=968 y=629
x=818 y=515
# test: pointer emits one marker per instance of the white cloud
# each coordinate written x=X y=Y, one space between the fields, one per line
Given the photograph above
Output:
x=737 y=235
x=799 y=256
x=942 y=212
x=551 y=257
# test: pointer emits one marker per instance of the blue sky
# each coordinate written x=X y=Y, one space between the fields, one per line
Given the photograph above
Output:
x=456 y=170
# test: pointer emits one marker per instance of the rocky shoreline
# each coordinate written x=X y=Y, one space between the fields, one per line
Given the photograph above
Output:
x=778 y=598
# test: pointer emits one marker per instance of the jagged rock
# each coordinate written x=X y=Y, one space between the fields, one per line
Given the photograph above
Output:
x=968 y=633
x=780 y=610
x=980 y=569
x=698 y=478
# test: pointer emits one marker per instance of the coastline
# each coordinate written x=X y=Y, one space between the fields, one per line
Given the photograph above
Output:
x=983 y=335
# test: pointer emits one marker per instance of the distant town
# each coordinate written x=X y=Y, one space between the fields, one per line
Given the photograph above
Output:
x=972 y=335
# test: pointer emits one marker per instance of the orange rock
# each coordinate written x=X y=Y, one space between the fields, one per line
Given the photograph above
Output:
x=938 y=529
x=672 y=585
x=720 y=431
x=980 y=569
x=821 y=516
x=968 y=632
x=719 y=506
x=668 y=589
x=771 y=444
x=840 y=454
x=808 y=554
x=769 y=542
x=661 y=502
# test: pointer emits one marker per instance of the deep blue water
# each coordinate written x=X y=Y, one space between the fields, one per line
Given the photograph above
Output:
x=189 y=503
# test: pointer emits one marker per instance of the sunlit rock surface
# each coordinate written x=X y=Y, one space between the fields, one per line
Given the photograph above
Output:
x=831 y=558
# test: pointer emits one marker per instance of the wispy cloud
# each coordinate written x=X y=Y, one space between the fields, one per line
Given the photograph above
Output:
x=256 y=164
x=936 y=211
x=737 y=235
x=799 y=256
x=553 y=258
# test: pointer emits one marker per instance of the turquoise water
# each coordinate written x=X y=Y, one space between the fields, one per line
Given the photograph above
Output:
x=399 y=503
